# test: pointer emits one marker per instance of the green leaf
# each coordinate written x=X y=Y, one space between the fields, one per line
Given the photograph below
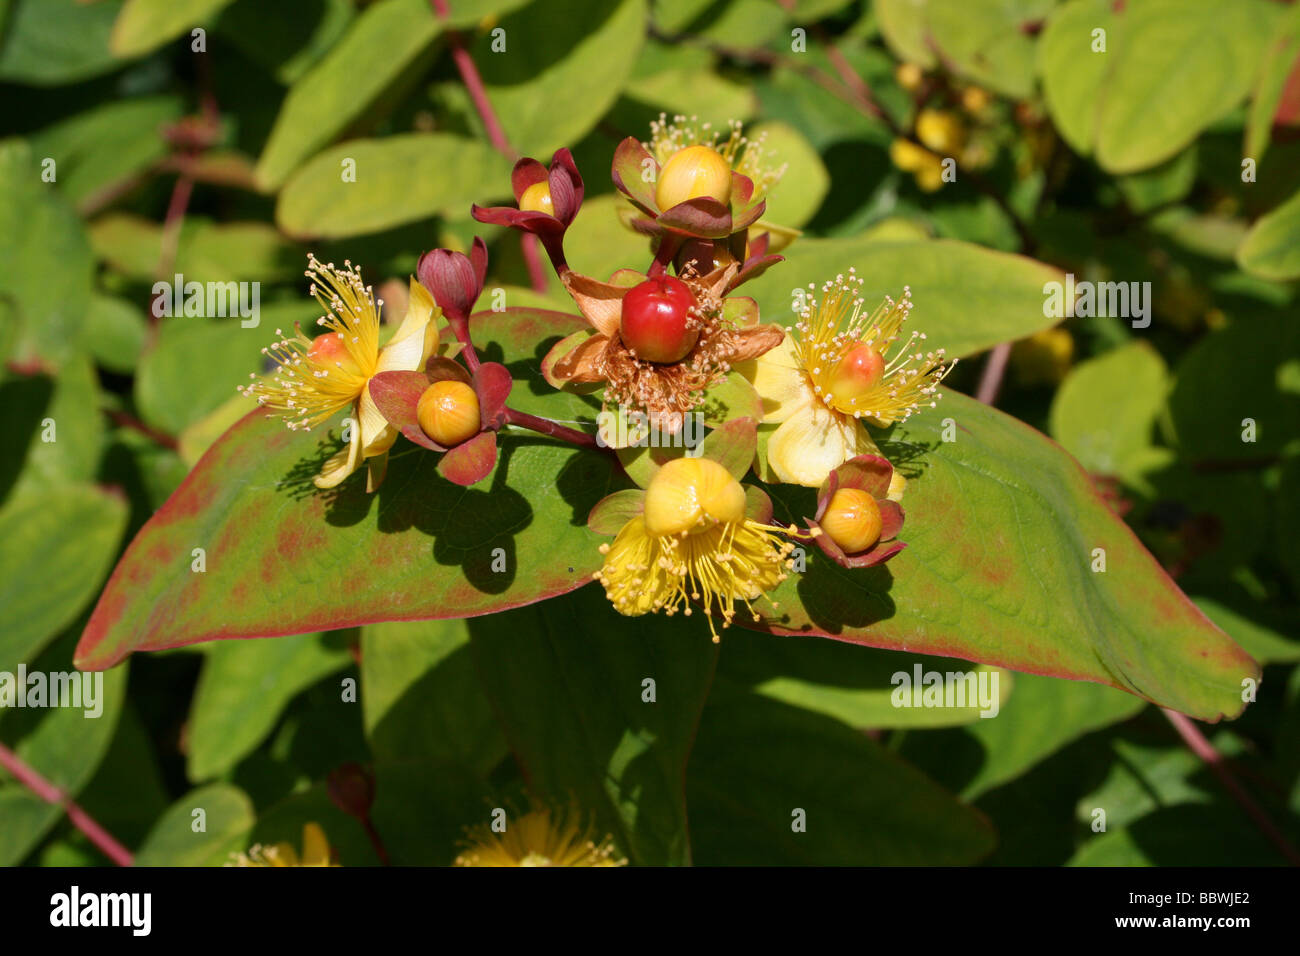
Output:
x=144 y=25
x=244 y=687
x=983 y=511
x=550 y=92
x=63 y=744
x=757 y=762
x=1264 y=634
x=598 y=244
x=1105 y=409
x=62 y=424
x=841 y=681
x=1272 y=247
x=107 y=145
x=1197 y=57
x=48 y=267
x=48 y=42
x=795 y=199
x=422 y=699
x=206 y=252
x=1279 y=61
x=59 y=543
x=282 y=558
x=399 y=179
x=169 y=394
x=115 y=333
x=569 y=681
x=227 y=816
x=966 y=298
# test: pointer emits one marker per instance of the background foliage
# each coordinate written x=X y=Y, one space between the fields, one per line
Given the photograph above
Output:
x=1125 y=166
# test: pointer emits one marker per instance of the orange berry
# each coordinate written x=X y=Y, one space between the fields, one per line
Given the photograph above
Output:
x=448 y=412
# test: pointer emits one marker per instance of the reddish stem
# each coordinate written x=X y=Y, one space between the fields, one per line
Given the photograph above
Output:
x=994 y=368
x=469 y=75
x=127 y=420
x=79 y=818
x=548 y=427
x=1202 y=748
x=536 y=271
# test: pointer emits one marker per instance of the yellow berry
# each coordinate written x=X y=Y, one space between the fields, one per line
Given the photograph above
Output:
x=448 y=412
x=852 y=520
x=689 y=495
x=906 y=155
x=909 y=76
x=691 y=173
x=975 y=100
x=537 y=198
x=941 y=132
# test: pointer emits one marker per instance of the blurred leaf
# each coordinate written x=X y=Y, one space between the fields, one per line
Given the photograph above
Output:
x=1105 y=409
x=107 y=145
x=1272 y=247
x=1280 y=61
x=1287 y=531
x=599 y=742
x=399 y=179
x=206 y=251
x=144 y=25
x=422 y=697
x=1258 y=635
x=598 y=244
x=59 y=543
x=419 y=548
x=61 y=422
x=192 y=367
x=981 y=40
x=967 y=298
x=48 y=42
x=114 y=333
x=550 y=94
x=63 y=744
x=756 y=762
x=244 y=688
x=176 y=840
x=385 y=39
x=1160 y=185
x=1229 y=387
x=982 y=511
x=1197 y=57
x=795 y=199
x=851 y=684
x=288 y=37
x=47 y=260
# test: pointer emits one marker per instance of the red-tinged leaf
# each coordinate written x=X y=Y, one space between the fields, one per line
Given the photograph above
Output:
x=469 y=463
x=1003 y=529
x=397 y=396
x=758 y=506
x=614 y=511
x=891 y=519
x=746 y=218
x=627 y=170
x=282 y=557
x=742 y=190
x=703 y=217
x=733 y=445
x=492 y=384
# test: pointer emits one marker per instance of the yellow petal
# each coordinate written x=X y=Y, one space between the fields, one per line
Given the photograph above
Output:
x=376 y=435
x=416 y=337
x=342 y=463
x=315 y=848
x=776 y=377
x=813 y=442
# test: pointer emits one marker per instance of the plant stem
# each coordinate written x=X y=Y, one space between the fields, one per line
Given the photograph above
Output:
x=79 y=818
x=994 y=368
x=548 y=427
x=536 y=272
x=469 y=75
x=1198 y=744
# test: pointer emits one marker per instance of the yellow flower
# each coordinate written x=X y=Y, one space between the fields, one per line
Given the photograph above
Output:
x=693 y=541
x=838 y=368
x=315 y=852
x=317 y=378
x=538 y=838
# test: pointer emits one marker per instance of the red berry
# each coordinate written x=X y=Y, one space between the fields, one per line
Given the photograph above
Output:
x=655 y=314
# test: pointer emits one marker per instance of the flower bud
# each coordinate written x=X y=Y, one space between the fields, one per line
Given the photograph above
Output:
x=856 y=373
x=330 y=351
x=690 y=495
x=852 y=520
x=691 y=173
x=537 y=198
x=448 y=412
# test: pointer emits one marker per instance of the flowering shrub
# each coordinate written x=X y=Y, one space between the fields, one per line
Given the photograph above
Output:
x=664 y=410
